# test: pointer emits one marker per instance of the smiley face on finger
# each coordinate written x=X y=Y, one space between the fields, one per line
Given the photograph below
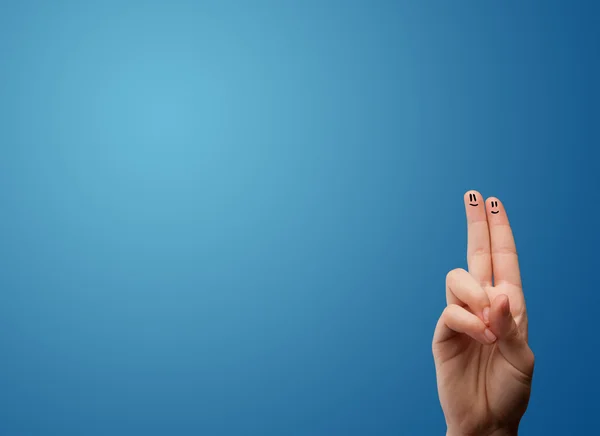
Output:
x=475 y=206
x=473 y=199
x=494 y=207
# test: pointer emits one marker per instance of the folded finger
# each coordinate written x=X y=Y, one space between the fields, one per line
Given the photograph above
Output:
x=456 y=320
x=464 y=290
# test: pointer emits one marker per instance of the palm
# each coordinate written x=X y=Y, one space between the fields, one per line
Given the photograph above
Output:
x=480 y=386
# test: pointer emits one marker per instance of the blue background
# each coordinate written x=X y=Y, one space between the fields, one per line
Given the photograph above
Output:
x=235 y=218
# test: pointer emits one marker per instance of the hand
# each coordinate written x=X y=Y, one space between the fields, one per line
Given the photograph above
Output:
x=483 y=363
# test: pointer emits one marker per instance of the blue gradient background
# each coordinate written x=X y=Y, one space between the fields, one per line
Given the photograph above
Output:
x=235 y=218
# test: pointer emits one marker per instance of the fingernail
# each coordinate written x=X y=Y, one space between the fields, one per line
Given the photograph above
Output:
x=506 y=307
x=489 y=335
x=486 y=315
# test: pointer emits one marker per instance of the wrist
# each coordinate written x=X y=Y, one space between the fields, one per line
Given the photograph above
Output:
x=498 y=432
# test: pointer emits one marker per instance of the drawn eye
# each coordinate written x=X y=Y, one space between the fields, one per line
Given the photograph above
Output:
x=472 y=199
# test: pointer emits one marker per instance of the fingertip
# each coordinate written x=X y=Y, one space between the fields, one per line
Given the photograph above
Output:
x=473 y=197
x=502 y=304
x=475 y=206
x=490 y=336
x=495 y=210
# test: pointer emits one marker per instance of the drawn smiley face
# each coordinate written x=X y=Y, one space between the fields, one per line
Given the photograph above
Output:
x=473 y=200
x=494 y=204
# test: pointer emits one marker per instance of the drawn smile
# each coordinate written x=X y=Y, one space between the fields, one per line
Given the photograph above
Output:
x=472 y=197
x=494 y=204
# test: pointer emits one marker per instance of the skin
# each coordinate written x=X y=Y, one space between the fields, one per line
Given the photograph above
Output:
x=484 y=365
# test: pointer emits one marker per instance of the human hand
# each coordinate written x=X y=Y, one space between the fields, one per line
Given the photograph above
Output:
x=484 y=365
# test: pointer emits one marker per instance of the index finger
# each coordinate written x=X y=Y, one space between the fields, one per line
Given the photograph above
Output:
x=479 y=258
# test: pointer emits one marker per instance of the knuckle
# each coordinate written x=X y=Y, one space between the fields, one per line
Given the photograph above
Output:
x=505 y=250
x=452 y=314
x=514 y=332
x=480 y=251
x=483 y=299
x=530 y=360
x=454 y=274
x=447 y=312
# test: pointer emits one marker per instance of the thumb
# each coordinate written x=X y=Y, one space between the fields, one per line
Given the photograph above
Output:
x=511 y=343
